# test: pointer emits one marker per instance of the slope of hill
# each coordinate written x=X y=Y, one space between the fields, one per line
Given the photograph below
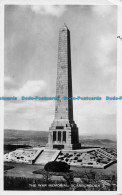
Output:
x=32 y=138
x=40 y=138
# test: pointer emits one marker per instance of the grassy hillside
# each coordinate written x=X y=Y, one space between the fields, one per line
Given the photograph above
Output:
x=32 y=138
x=40 y=138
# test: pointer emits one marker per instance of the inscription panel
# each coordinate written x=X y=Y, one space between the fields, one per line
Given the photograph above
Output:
x=59 y=147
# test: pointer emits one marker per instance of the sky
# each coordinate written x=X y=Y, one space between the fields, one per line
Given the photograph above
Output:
x=31 y=53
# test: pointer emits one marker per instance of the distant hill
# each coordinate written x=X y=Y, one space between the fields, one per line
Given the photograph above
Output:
x=32 y=138
x=100 y=136
x=40 y=138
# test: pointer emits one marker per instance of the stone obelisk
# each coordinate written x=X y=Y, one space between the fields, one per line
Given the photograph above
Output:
x=63 y=133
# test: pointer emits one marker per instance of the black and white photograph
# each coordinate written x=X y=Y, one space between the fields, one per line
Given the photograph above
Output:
x=60 y=97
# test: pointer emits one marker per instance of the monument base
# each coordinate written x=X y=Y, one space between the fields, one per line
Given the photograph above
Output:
x=89 y=157
x=63 y=147
x=63 y=134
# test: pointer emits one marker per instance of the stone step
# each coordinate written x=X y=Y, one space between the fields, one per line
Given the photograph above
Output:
x=105 y=153
x=46 y=156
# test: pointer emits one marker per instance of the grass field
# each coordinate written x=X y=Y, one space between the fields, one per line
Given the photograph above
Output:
x=21 y=177
x=24 y=173
x=25 y=170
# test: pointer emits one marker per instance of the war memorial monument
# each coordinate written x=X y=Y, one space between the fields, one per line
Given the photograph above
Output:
x=63 y=139
x=63 y=133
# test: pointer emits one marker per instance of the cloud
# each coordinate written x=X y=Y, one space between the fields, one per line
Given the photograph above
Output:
x=94 y=108
x=89 y=116
x=31 y=87
x=26 y=115
x=102 y=10
x=116 y=2
x=107 y=42
x=54 y=10
x=29 y=108
x=94 y=116
x=8 y=79
x=28 y=89
x=9 y=83
x=106 y=47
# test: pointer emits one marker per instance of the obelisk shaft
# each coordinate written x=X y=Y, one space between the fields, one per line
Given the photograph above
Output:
x=64 y=108
x=63 y=133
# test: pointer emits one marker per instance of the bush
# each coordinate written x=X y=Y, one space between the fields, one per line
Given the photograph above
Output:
x=55 y=166
x=79 y=160
x=76 y=158
x=7 y=167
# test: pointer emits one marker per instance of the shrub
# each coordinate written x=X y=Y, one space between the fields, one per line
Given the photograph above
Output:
x=76 y=158
x=7 y=167
x=70 y=155
x=79 y=160
x=69 y=177
x=55 y=166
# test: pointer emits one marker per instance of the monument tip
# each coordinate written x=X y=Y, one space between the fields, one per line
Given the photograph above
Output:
x=64 y=27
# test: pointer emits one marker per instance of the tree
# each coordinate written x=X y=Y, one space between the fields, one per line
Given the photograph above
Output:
x=69 y=177
x=55 y=166
x=46 y=176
